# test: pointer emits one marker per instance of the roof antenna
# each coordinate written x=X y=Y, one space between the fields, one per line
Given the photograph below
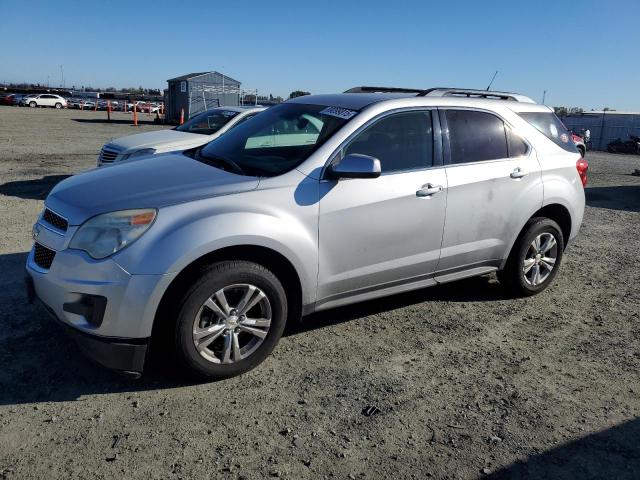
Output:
x=492 y=79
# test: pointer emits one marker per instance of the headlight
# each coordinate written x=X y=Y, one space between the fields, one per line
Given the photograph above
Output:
x=138 y=153
x=105 y=234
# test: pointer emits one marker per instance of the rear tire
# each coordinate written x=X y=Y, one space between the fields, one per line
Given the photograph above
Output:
x=582 y=151
x=215 y=336
x=59 y=105
x=534 y=259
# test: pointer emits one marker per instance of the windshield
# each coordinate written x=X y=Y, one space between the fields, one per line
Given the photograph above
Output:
x=207 y=123
x=277 y=140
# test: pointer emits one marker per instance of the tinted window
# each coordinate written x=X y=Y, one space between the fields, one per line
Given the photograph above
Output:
x=402 y=141
x=552 y=127
x=517 y=146
x=475 y=136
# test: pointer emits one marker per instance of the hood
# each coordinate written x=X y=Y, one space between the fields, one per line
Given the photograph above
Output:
x=152 y=182
x=161 y=140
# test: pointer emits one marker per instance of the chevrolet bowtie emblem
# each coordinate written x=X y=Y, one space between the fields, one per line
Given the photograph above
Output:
x=35 y=231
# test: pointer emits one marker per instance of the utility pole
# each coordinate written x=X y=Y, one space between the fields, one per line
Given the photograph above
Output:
x=544 y=96
x=61 y=76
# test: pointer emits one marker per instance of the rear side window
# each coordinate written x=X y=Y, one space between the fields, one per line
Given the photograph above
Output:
x=551 y=127
x=401 y=141
x=476 y=136
x=517 y=146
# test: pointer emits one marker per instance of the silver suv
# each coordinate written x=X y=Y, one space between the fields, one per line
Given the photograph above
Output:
x=320 y=201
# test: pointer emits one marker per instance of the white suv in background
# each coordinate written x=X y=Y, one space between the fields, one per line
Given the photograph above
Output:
x=196 y=131
x=45 y=100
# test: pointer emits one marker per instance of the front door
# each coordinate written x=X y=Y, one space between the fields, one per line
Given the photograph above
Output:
x=386 y=232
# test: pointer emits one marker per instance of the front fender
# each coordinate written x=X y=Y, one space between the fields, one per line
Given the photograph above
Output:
x=183 y=233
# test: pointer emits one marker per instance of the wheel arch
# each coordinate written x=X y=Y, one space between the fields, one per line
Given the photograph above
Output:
x=553 y=211
x=280 y=265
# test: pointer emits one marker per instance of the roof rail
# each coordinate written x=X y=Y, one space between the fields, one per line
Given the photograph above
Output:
x=446 y=92
x=472 y=93
x=383 y=90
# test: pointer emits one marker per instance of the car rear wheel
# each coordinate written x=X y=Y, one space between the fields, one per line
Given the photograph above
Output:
x=33 y=104
x=58 y=105
x=535 y=258
x=230 y=319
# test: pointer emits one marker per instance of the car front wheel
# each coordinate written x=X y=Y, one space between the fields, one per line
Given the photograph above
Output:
x=535 y=258
x=33 y=104
x=230 y=319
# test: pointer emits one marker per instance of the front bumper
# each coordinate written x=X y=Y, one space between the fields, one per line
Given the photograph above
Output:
x=117 y=335
x=126 y=355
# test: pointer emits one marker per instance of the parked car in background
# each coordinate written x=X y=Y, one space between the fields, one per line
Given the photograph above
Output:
x=628 y=146
x=197 y=131
x=579 y=142
x=17 y=98
x=216 y=248
x=6 y=99
x=24 y=101
x=45 y=100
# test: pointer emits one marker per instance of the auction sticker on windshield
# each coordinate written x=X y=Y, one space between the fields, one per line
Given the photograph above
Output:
x=339 y=112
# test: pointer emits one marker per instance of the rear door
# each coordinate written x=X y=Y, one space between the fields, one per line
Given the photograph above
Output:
x=494 y=185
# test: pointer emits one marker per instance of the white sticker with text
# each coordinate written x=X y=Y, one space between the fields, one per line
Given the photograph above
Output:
x=339 y=112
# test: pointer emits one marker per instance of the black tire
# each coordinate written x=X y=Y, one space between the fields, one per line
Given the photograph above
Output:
x=582 y=151
x=59 y=105
x=513 y=276
x=33 y=104
x=213 y=278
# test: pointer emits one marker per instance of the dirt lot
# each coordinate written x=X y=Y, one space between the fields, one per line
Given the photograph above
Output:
x=468 y=383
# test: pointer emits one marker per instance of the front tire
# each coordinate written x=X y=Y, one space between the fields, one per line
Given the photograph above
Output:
x=33 y=104
x=230 y=320
x=535 y=258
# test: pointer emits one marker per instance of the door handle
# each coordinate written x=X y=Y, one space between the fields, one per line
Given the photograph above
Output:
x=518 y=173
x=428 y=189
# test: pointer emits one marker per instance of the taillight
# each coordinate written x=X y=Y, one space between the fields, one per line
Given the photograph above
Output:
x=582 y=166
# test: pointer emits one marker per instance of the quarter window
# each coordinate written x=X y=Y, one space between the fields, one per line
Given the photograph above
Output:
x=401 y=141
x=476 y=136
x=517 y=146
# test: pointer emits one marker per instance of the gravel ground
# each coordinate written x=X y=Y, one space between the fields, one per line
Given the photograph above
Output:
x=465 y=381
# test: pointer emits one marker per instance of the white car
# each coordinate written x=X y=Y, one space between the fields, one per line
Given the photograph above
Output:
x=197 y=131
x=45 y=100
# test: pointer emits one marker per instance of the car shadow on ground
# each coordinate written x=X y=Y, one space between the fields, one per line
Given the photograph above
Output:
x=620 y=197
x=41 y=364
x=611 y=453
x=31 y=189
x=116 y=122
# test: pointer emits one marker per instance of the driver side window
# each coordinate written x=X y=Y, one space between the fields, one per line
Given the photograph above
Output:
x=401 y=141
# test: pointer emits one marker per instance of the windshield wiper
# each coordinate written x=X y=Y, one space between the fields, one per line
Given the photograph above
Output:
x=218 y=161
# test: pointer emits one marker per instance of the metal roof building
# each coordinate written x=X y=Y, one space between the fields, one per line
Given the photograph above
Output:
x=605 y=126
x=196 y=92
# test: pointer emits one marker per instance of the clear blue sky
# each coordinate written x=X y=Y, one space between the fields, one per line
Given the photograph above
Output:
x=584 y=53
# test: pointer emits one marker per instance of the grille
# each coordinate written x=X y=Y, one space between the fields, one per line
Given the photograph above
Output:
x=43 y=256
x=108 y=154
x=54 y=219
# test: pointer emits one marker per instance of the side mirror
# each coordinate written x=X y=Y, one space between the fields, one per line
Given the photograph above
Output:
x=355 y=165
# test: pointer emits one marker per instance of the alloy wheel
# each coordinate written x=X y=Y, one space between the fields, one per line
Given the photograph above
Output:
x=540 y=259
x=232 y=323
